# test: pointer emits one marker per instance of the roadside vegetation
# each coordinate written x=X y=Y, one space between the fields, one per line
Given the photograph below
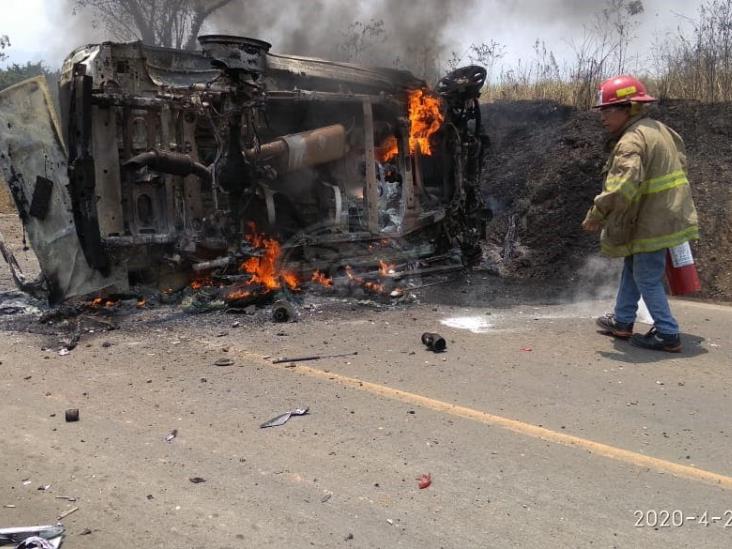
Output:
x=692 y=63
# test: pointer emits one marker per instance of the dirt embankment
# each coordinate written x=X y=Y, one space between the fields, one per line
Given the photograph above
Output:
x=544 y=168
x=7 y=206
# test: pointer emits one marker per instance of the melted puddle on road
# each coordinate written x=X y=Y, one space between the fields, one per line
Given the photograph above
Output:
x=475 y=324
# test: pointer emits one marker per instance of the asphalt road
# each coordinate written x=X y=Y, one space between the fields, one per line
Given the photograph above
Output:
x=536 y=431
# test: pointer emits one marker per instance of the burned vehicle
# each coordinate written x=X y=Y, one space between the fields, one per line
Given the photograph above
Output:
x=166 y=166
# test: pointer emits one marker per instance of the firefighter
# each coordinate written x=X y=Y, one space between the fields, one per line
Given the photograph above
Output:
x=645 y=208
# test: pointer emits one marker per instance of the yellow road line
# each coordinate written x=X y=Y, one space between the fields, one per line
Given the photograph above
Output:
x=597 y=448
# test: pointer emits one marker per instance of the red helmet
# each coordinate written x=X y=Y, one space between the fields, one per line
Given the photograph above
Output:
x=620 y=90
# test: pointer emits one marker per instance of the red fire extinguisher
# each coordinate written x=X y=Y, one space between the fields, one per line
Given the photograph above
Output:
x=681 y=271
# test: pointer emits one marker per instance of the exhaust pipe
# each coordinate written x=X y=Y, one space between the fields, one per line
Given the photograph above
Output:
x=294 y=152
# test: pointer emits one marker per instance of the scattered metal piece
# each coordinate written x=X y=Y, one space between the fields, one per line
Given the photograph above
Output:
x=67 y=513
x=434 y=342
x=309 y=358
x=325 y=498
x=64 y=352
x=44 y=487
x=424 y=481
x=283 y=418
x=197 y=480
x=72 y=414
x=26 y=482
x=224 y=362
x=9 y=506
x=31 y=534
x=36 y=543
x=85 y=532
x=67 y=498
x=171 y=435
x=71 y=341
x=283 y=311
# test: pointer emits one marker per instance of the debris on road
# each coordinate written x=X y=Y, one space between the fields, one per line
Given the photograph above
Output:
x=283 y=418
x=314 y=357
x=434 y=342
x=67 y=513
x=224 y=362
x=71 y=415
x=67 y=498
x=424 y=481
x=64 y=352
x=197 y=480
x=170 y=436
x=326 y=498
x=44 y=487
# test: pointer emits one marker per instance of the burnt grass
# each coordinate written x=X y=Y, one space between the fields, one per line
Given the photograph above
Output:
x=544 y=167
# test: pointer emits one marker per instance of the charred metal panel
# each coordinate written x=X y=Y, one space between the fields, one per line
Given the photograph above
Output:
x=107 y=172
x=33 y=147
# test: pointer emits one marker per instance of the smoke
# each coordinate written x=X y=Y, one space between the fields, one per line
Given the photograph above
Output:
x=392 y=33
x=72 y=29
x=594 y=287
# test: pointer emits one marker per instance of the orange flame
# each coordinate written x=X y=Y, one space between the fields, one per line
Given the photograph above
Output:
x=265 y=270
x=385 y=269
x=201 y=283
x=107 y=302
x=425 y=116
x=322 y=279
x=238 y=295
x=388 y=149
x=374 y=287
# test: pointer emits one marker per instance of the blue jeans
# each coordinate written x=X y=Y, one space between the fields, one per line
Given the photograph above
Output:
x=643 y=276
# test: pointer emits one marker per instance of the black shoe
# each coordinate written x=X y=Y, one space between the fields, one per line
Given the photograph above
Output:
x=656 y=341
x=610 y=326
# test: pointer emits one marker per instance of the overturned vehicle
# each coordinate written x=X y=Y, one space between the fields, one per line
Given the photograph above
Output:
x=168 y=167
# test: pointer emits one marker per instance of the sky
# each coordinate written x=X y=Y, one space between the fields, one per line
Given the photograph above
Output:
x=40 y=30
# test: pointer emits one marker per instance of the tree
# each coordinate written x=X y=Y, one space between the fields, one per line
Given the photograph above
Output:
x=360 y=38
x=621 y=17
x=167 y=23
x=4 y=43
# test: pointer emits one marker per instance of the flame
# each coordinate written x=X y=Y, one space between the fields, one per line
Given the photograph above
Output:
x=425 y=117
x=385 y=269
x=238 y=295
x=374 y=287
x=265 y=270
x=107 y=302
x=388 y=149
x=201 y=283
x=322 y=279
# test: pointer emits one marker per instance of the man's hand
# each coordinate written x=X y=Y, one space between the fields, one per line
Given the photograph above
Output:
x=592 y=225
